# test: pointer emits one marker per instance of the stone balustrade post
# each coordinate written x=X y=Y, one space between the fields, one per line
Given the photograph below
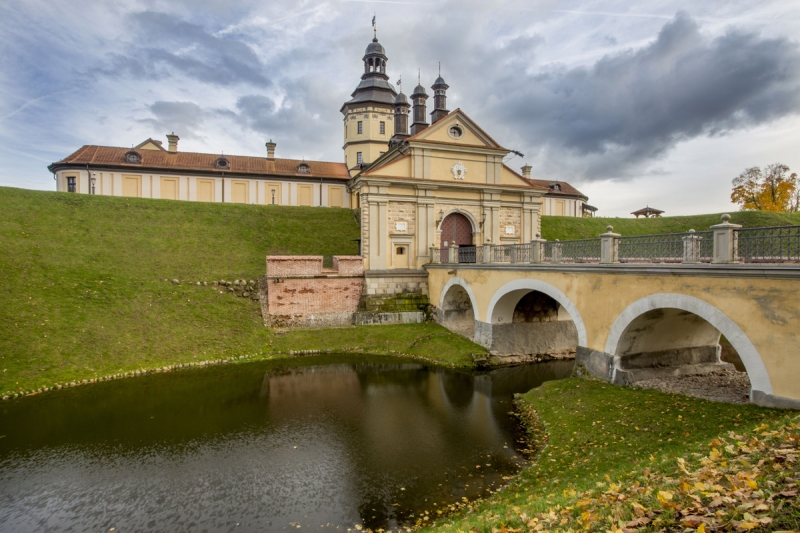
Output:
x=434 y=259
x=487 y=253
x=454 y=253
x=691 y=247
x=609 y=246
x=556 y=252
x=725 y=249
x=513 y=256
x=537 y=249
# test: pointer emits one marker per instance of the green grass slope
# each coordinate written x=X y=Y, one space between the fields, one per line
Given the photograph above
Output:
x=565 y=228
x=83 y=292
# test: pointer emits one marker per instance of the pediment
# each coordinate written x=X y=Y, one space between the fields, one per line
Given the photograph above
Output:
x=150 y=144
x=456 y=129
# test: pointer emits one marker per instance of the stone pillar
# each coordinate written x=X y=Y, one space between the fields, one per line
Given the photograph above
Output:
x=556 y=252
x=433 y=256
x=725 y=246
x=609 y=246
x=453 y=253
x=691 y=248
x=487 y=253
x=537 y=249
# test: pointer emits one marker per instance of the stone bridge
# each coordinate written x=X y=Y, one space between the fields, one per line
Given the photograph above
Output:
x=629 y=321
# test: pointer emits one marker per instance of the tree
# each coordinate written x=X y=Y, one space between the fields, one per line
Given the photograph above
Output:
x=770 y=189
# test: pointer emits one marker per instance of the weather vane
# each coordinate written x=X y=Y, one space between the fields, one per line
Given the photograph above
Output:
x=374 y=28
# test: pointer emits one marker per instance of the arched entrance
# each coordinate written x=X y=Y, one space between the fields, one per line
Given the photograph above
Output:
x=457 y=229
x=457 y=311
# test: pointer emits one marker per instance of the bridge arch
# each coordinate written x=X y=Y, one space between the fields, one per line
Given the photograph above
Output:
x=458 y=308
x=505 y=299
x=756 y=371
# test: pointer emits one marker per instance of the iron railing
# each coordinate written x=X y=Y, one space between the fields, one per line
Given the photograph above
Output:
x=470 y=254
x=777 y=244
x=512 y=253
x=575 y=251
x=664 y=248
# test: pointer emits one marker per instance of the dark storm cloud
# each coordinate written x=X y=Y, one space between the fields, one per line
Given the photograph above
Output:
x=175 y=47
x=635 y=106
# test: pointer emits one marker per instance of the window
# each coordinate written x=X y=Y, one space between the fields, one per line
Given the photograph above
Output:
x=222 y=163
x=133 y=157
x=359 y=159
x=401 y=250
x=456 y=132
x=383 y=128
x=72 y=184
x=360 y=127
x=303 y=168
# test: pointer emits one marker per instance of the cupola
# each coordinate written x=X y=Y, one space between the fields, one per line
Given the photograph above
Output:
x=439 y=99
x=418 y=97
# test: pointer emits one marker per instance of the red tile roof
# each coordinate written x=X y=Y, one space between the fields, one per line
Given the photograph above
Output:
x=193 y=161
x=566 y=188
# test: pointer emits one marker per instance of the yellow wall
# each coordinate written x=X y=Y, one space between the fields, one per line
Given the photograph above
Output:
x=439 y=132
x=131 y=185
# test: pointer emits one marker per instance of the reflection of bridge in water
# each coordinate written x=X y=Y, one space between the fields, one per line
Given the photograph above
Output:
x=639 y=307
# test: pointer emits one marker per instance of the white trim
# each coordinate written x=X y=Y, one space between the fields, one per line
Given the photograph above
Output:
x=546 y=288
x=461 y=282
x=756 y=371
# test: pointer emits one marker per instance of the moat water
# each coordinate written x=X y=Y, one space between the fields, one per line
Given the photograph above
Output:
x=315 y=444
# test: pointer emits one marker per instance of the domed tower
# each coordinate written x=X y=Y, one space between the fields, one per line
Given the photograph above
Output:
x=368 y=115
x=418 y=97
x=401 y=108
x=439 y=99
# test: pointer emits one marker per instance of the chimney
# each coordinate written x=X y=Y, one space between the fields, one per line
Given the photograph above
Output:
x=271 y=149
x=526 y=172
x=173 y=139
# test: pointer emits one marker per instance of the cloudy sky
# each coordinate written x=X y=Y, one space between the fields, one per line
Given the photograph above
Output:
x=658 y=103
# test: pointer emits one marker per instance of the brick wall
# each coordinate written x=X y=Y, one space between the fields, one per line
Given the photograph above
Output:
x=510 y=216
x=299 y=292
x=402 y=212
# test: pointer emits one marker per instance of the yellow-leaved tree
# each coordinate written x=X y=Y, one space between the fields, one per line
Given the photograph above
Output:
x=770 y=189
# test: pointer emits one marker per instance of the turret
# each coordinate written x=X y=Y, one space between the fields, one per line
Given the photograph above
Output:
x=401 y=109
x=439 y=99
x=420 y=120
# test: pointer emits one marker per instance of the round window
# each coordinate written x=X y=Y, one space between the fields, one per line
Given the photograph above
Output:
x=456 y=132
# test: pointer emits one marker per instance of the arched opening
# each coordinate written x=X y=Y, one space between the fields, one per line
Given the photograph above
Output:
x=669 y=342
x=532 y=323
x=676 y=334
x=457 y=229
x=456 y=312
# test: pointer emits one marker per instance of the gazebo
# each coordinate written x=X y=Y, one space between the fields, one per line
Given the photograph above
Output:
x=648 y=212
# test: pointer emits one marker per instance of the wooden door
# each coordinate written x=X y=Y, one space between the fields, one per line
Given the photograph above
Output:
x=272 y=195
x=239 y=192
x=335 y=196
x=131 y=185
x=205 y=190
x=456 y=229
x=169 y=188
x=304 y=194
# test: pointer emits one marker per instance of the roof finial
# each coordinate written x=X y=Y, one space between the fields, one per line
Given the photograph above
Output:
x=440 y=69
x=374 y=29
x=419 y=76
x=400 y=82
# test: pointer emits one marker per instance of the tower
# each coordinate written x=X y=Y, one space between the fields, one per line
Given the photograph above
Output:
x=368 y=115
x=401 y=108
x=418 y=97
x=439 y=99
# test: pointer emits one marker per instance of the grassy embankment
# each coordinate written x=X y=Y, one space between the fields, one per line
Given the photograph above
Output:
x=83 y=293
x=623 y=460
x=564 y=228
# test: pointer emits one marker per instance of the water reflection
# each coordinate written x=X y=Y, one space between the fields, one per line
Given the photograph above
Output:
x=260 y=447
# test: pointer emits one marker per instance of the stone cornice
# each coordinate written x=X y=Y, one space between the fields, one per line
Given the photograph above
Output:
x=775 y=271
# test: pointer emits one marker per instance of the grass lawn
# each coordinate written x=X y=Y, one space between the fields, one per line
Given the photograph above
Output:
x=565 y=228
x=620 y=459
x=84 y=294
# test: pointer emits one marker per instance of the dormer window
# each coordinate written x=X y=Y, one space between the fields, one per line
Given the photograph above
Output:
x=303 y=168
x=555 y=186
x=132 y=157
x=222 y=163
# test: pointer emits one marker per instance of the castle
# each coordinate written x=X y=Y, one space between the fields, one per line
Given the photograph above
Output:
x=436 y=182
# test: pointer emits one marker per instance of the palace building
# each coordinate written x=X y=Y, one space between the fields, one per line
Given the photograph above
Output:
x=420 y=180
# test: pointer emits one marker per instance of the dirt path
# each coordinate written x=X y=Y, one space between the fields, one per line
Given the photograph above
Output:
x=727 y=386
